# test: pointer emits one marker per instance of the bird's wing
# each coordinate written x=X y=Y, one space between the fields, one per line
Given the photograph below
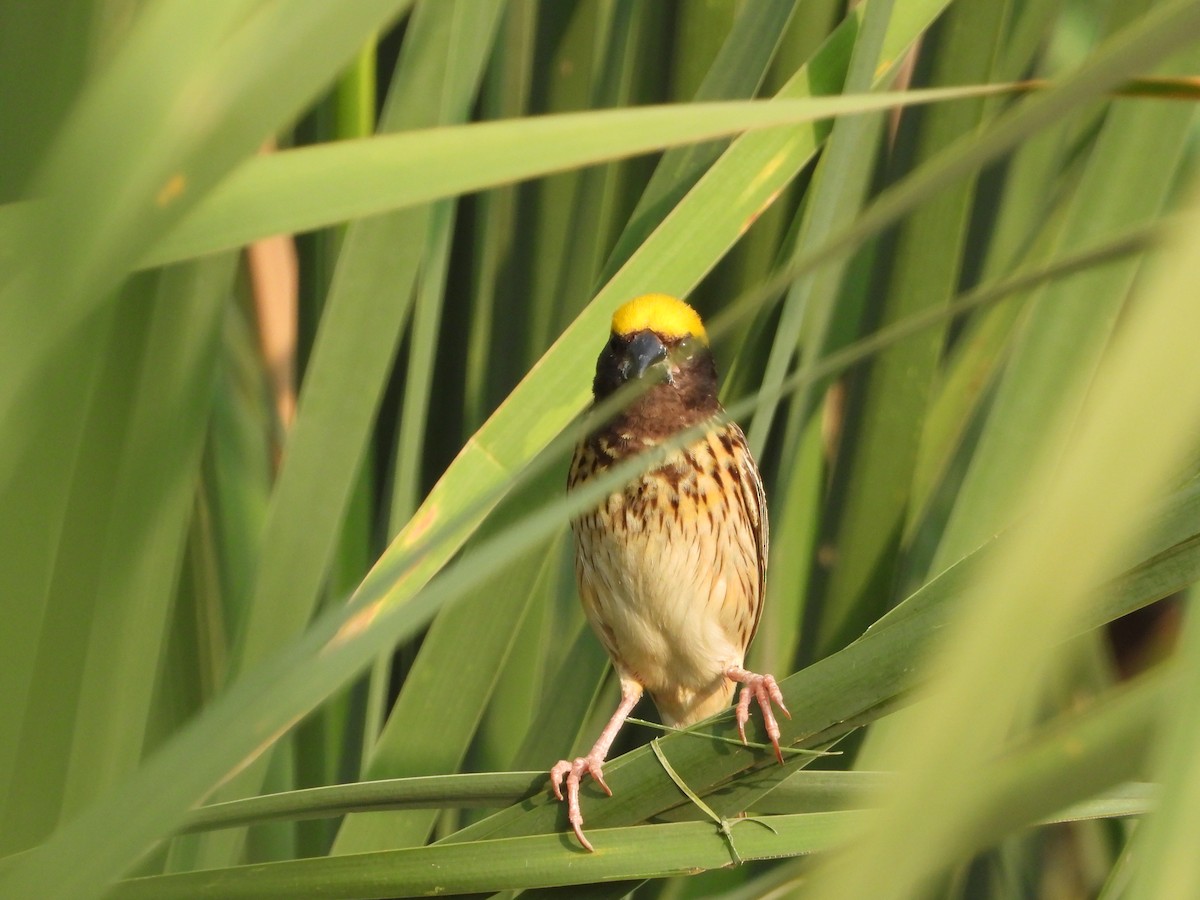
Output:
x=754 y=501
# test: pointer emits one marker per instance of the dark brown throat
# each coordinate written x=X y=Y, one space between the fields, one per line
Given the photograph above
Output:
x=665 y=409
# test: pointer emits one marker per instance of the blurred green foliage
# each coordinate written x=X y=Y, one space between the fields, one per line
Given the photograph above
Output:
x=300 y=535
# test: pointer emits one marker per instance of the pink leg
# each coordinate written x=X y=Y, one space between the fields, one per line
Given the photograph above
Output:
x=593 y=763
x=763 y=689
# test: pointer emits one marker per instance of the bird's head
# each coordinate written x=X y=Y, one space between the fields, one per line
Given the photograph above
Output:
x=660 y=338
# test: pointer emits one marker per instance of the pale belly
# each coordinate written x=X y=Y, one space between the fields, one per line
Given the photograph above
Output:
x=670 y=589
x=659 y=609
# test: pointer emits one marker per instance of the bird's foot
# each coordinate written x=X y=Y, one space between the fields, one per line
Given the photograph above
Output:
x=593 y=764
x=573 y=771
x=764 y=690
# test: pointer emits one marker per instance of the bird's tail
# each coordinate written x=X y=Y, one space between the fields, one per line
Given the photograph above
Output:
x=679 y=709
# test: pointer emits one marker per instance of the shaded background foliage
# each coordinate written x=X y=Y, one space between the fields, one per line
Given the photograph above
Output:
x=287 y=512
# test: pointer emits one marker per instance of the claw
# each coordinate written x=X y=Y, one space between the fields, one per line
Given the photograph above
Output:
x=597 y=772
x=765 y=691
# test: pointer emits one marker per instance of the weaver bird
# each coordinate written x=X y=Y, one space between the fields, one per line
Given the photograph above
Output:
x=672 y=567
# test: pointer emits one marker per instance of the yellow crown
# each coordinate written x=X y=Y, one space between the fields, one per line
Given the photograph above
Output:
x=660 y=313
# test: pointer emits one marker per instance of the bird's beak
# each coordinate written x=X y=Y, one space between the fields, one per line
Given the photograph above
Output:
x=643 y=351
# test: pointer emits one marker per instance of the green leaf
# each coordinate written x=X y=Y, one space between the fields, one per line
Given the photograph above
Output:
x=360 y=329
x=1034 y=593
x=645 y=852
x=889 y=407
x=302 y=189
x=1069 y=322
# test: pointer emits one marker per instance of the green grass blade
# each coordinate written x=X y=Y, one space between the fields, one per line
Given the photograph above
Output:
x=427 y=792
x=471 y=640
x=891 y=405
x=240 y=69
x=589 y=40
x=1167 y=866
x=144 y=534
x=346 y=374
x=1169 y=28
x=104 y=624
x=101 y=198
x=422 y=353
x=1015 y=598
x=1069 y=322
x=736 y=72
x=64 y=500
x=837 y=192
x=644 y=852
x=499 y=241
x=311 y=187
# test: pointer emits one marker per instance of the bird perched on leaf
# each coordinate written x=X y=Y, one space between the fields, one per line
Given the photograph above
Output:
x=672 y=567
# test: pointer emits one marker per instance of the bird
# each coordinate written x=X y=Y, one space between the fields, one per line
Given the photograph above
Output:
x=671 y=567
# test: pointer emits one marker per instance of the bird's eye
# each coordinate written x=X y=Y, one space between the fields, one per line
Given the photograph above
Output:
x=685 y=349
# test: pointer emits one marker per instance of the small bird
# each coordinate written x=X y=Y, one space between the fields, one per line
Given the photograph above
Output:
x=672 y=567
